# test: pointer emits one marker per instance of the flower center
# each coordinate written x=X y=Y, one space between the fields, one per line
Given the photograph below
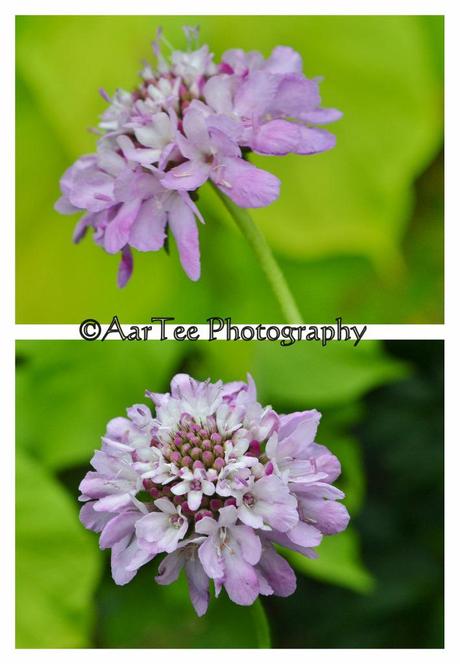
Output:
x=196 y=445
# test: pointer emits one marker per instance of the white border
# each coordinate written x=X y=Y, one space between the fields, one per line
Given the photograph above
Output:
x=9 y=331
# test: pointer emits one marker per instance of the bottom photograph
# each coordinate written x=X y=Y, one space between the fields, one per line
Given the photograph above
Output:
x=229 y=495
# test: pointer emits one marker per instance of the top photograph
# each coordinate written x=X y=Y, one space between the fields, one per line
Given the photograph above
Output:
x=270 y=169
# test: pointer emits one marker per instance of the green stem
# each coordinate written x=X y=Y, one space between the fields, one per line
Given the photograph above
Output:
x=267 y=261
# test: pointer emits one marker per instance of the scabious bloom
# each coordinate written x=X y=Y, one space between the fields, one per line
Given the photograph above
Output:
x=190 y=120
x=210 y=484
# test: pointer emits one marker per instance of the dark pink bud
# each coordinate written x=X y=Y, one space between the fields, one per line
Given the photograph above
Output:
x=206 y=444
x=215 y=504
x=207 y=458
x=178 y=500
x=230 y=501
x=186 y=509
x=175 y=457
x=198 y=464
x=185 y=448
x=218 y=450
x=216 y=438
x=148 y=484
x=195 y=453
x=219 y=463
x=187 y=461
x=201 y=514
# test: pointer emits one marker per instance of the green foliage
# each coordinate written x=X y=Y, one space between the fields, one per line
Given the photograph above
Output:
x=57 y=563
x=339 y=562
x=348 y=227
x=67 y=393
x=167 y=618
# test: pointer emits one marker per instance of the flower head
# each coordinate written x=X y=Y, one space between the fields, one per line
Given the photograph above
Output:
x=211 y=482
x=190 y=120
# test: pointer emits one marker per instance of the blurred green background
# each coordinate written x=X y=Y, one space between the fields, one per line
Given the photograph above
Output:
x=358 y=230
x=377 y=585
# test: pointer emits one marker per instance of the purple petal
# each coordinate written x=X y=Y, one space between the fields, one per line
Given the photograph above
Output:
x=125 y=268
x=211 y=561
x=256 y=95
x=135 y=184
x=305 y=535
x=277 y=572
x=118 y=528
x=284 y=60
x=218 y=93
x=93 y=520
x=278 y=137
x=187 y=176
x=194 y=124
x=81 y=227
x=117 y=232
x=249 y=543
x=148 y=230
x=126 y=560
x=313 y=141
x=330 y=517
x=183 y=226
x=289 y=423
x=246 y=185
x=321 y=115
x=224 y=145
x=198 y=585
x=64 y=206
x=295 y=94
x=169 y=568
x=241 y=582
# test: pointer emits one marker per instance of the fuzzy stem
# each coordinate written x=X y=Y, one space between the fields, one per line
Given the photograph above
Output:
x=260 y=246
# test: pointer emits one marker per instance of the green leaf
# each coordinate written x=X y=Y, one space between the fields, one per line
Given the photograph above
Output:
x=339 y=562
x=324 y=377
x=67 y=392
x=143 y=614
x=57 y=563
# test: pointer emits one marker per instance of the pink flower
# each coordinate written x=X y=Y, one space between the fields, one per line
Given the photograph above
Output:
x=213 y=479
x=189 y=121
